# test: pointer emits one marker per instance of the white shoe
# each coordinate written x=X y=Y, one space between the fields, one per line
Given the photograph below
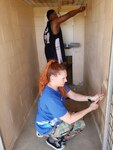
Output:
x=39 y=135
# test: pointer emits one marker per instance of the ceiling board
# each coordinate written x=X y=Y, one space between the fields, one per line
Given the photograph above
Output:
x=50 y=3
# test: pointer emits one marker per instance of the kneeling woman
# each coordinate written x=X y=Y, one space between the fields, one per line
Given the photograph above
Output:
x=52 y=118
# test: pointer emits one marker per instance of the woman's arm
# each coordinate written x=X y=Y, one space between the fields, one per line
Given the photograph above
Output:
x=71 y=118
x=79 y=97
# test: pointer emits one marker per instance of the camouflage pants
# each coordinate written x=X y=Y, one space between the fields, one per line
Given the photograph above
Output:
x=64 y=128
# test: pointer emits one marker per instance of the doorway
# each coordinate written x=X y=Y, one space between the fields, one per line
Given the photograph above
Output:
x=69 y=69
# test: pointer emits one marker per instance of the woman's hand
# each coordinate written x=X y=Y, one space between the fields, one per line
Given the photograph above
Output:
x=97 y=97
x=93 y=106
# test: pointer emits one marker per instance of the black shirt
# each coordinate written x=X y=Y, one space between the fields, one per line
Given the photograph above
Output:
x=54 y=47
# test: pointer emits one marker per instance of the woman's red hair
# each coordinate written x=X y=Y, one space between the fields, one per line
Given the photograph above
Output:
x=52 y=68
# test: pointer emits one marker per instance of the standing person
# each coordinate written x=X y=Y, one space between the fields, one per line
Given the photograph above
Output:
x=54 y=46
x=52 y=119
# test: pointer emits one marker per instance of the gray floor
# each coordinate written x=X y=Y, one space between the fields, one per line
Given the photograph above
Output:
x=86 y=140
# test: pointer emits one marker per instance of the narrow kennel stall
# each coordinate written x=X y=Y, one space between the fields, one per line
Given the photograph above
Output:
x=22 y=60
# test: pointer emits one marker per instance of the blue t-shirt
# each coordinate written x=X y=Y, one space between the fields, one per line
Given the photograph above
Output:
x=51 y=106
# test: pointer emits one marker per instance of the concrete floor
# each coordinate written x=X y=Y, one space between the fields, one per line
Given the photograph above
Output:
x=86 y=140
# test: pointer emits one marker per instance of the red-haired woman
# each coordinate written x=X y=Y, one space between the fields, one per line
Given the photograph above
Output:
x=52 y=118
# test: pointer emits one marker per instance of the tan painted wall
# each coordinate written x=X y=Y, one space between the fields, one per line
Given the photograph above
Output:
x=98 y=30
x=18 y=67
x=40 y=20
x=73 y=31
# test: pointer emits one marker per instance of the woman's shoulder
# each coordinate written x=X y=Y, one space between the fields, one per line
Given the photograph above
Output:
x=47 y=90
x=48 y=93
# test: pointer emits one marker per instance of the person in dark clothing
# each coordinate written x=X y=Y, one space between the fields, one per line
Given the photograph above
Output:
x=54 y=46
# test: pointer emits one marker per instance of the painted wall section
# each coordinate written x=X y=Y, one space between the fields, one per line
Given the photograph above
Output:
x=18 y=67
x=75 y=25
x=73 y=31
x=40 y=23
x=98 y=30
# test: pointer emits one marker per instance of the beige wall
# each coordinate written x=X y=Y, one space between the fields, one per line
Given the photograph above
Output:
x=79 y=21
x=73 y=31
x=18 y=67
x=40 y=23
x=98 y=30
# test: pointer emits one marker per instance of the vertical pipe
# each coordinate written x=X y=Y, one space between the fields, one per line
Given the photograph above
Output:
x=109 y=98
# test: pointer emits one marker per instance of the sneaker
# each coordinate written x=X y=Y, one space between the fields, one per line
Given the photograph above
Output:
x=55 y=144
x=39 y=135
x=62 y=140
